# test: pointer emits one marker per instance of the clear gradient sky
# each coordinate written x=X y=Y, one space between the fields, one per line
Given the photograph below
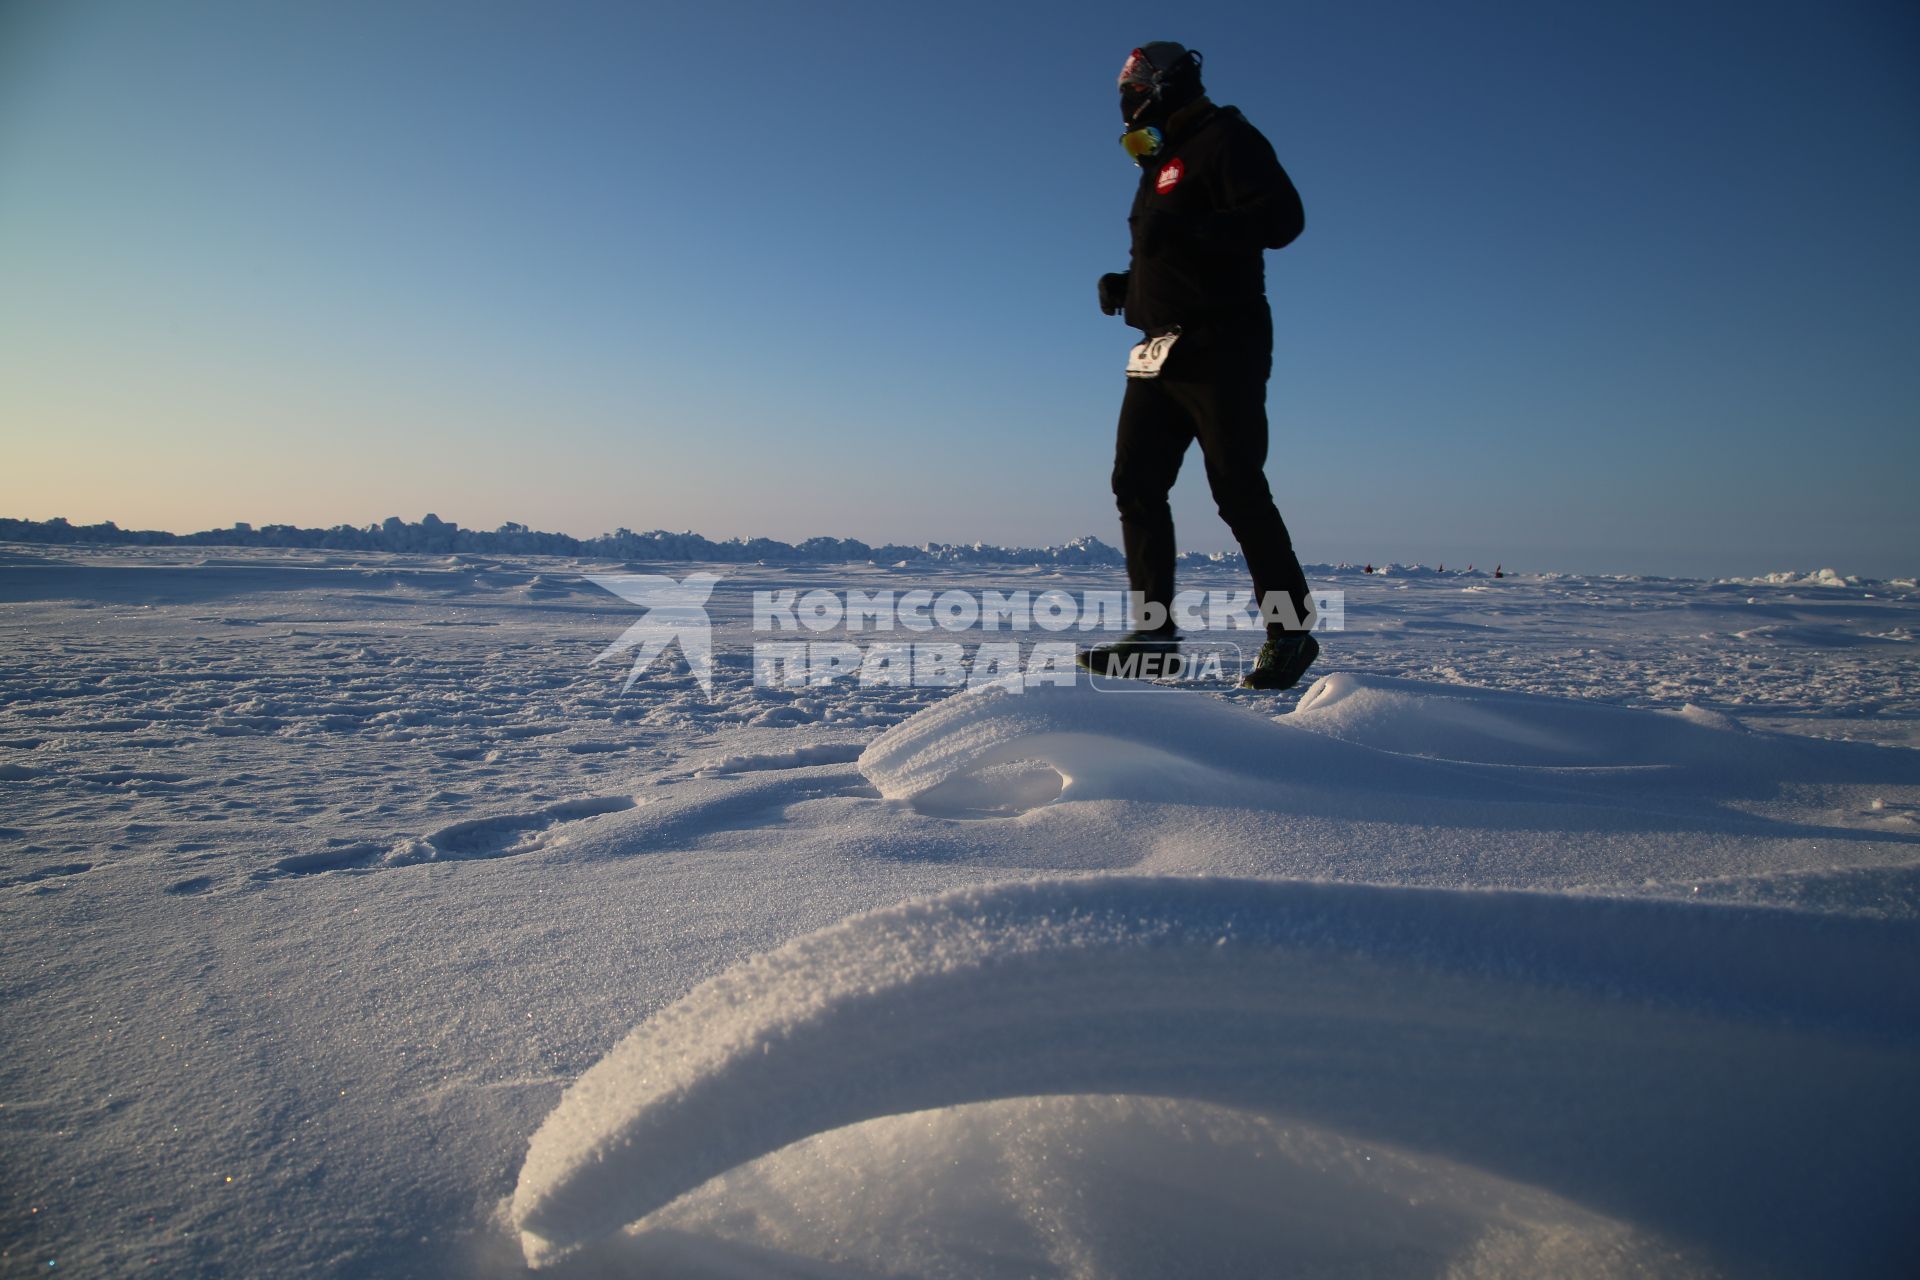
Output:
x=1628 y=287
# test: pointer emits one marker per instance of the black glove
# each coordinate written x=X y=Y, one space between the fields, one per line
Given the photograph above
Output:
x=1113 y=293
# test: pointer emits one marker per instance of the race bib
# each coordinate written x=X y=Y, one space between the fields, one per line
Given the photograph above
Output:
x=1144 y=361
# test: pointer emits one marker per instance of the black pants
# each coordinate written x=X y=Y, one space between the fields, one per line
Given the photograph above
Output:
x=1227 y=414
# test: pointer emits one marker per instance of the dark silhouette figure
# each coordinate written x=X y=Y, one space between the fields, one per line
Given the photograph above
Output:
x=1212 y=197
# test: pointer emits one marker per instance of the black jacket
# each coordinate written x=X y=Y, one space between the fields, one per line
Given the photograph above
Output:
x=1208 y=205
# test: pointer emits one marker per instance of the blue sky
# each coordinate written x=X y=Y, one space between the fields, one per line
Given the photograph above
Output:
x=1625 y=287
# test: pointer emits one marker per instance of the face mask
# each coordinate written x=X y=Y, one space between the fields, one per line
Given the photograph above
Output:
x=1149 y=94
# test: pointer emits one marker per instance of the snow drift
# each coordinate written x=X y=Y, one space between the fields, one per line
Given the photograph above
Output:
x=1735 y=1079
x=1152 y=745
x=1391 y=748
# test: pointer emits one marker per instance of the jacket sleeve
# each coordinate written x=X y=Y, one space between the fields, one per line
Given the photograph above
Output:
x=1257 y=201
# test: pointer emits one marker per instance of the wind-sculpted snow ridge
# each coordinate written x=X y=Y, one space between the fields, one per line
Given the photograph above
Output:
x=1403 y=748
x=1165 y=745
x=1819 y=578
x=1736 y=1080
x=1493 y=726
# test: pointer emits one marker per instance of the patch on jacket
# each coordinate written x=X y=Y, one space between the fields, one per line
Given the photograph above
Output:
x=1170 y=176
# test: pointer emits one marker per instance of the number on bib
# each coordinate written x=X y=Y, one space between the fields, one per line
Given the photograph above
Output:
x=1145 y=360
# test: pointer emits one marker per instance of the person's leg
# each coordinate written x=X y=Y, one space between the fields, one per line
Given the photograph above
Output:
x=1230 y=419
x=1154 y=432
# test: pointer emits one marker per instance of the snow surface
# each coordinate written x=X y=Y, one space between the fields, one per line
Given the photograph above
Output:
x=356 y=925
x=1616 y=1053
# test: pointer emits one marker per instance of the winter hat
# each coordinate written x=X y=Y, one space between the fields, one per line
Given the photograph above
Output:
x=1158 y=79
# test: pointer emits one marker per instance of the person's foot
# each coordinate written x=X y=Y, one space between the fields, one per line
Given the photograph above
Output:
x=1282 y=661
x=1109 y=659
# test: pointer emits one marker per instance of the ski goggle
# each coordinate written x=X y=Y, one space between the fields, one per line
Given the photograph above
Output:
x=1139 y=74
x=1141 y=143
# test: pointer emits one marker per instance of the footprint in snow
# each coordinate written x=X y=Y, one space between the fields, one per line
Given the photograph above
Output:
x=338 y=858
x=190 y=887
x=503 y=836
x=56 y=873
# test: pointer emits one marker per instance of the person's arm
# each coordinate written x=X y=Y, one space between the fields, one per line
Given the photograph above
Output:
x=1257 y=202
